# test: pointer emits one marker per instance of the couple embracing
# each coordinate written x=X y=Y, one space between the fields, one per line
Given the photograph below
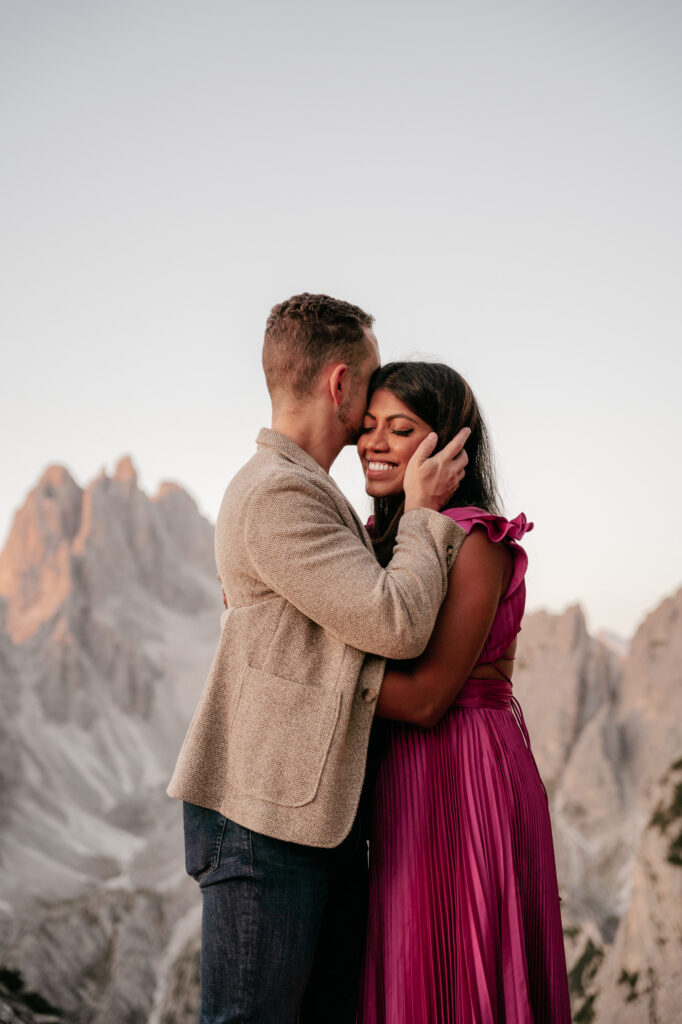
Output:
x=361 y=689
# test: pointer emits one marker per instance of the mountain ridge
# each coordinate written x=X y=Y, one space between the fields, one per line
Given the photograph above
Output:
x=109 y=616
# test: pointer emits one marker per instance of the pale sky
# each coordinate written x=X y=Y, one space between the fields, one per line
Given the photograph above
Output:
x=499 y=184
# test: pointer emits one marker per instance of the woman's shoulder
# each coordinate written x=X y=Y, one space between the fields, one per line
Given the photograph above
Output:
x=498 y=527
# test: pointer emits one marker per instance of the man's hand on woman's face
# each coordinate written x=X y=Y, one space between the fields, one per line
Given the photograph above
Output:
x=431 y=479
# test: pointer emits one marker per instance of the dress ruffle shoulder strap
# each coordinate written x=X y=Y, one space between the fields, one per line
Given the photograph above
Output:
x=498 y=529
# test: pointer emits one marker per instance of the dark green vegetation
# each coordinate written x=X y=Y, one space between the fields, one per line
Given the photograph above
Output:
x=15 y=997
x=669 y=814
x=631 y=981
x=581 y=974
x=585 y=1014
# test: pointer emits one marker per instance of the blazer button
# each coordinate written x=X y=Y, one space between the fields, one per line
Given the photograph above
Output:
x=369 y=696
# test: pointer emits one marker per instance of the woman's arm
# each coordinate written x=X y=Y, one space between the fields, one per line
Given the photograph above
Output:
x=420 y=691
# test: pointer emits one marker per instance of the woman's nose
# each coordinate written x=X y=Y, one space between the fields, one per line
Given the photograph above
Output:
x=379 y=441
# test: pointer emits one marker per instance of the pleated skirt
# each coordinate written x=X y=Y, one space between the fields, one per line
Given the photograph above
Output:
x=464 y=920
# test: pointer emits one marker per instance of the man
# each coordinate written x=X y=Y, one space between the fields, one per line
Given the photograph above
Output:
x=272 y=766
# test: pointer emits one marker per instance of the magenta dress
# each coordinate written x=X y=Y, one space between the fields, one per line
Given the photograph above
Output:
x=464 y=921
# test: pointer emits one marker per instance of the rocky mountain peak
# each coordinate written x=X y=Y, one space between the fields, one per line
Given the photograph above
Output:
x=72 y=545
x=167 y=487
x=125 y=471
x=563 y=678
x=109 y=611
x=35 y=574
x=109 y=618
x=652 y=693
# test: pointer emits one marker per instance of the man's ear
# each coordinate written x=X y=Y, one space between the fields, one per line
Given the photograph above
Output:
x=338 y=383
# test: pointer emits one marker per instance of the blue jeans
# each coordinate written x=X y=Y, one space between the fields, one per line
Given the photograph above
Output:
x=283 y=925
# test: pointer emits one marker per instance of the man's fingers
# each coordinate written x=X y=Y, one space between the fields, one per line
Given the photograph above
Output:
x=430 y=480
x=424 y=449
x=456 y=469
x=460 y=462
x=454 y=447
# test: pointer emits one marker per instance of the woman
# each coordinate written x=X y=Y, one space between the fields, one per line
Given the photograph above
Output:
x=464 y=922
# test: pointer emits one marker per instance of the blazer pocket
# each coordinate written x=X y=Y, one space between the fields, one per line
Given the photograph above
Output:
x=280 y=738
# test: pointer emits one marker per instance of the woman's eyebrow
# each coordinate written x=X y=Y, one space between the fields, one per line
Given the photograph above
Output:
x=399 y=416
x=395 y=416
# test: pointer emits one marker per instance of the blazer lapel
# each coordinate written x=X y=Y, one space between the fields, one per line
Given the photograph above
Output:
x=350 y=516
x=290 y=450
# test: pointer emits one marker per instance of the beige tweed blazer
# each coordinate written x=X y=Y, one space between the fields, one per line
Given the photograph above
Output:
x=278 y=742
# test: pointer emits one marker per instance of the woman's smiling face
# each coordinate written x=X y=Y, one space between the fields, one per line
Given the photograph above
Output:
x=390 y=436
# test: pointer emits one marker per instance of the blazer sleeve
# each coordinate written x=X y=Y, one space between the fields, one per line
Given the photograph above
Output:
x=301 y=549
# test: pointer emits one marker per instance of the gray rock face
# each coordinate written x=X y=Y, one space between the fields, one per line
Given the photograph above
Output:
x=563 y=678
x=641 y=979
x=606 y=726
x=109 y=616
x=570 y=686
x=652 y=697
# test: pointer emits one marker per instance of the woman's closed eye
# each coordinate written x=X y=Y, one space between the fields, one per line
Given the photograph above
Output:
x=394 y=430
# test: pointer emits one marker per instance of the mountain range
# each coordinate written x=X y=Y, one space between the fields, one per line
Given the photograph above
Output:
x=109 y=617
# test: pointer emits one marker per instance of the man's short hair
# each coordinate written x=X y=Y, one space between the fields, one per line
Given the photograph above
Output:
x=305 y=334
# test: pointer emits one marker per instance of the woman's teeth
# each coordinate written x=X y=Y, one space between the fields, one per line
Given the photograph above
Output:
x=377 y=466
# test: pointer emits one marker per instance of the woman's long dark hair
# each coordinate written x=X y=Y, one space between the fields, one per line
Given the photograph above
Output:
x=444 y=400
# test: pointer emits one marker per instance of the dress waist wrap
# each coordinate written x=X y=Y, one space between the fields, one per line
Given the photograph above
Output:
x=484 y=693
x=491 y=693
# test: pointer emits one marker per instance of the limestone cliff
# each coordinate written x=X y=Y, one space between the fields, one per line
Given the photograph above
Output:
x=606 y=726
x=109 y=615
